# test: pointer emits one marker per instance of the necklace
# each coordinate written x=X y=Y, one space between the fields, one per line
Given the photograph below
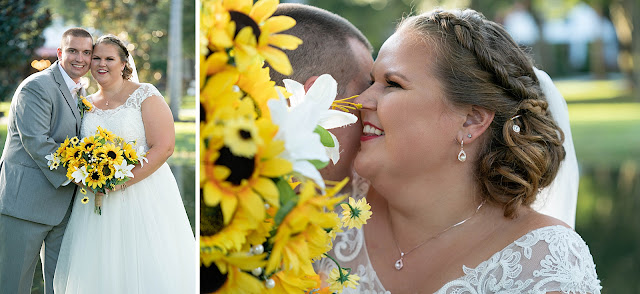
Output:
x=400 y=262
x=114 y=95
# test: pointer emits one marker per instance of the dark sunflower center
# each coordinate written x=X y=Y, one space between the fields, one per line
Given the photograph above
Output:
x=245 y=134
x=242 y=20
x=77 y=154
x=95 y=176
x=112 y=154
x=106 y=171
x=89 y=146
x=241 y=167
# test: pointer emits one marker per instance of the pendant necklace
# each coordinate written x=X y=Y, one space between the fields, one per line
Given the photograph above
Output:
x=400 y=262
x=114 y=95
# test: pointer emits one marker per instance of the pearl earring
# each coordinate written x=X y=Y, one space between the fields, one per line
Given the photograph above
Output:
x=462 y=156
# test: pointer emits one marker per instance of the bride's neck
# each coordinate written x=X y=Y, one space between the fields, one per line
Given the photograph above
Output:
x=416 y=209
x=112 y=88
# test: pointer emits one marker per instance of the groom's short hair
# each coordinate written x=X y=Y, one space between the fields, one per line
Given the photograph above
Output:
x=75 y=32
x=325 y=48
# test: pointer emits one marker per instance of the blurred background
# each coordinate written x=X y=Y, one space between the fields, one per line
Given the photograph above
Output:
x=160 y=35
x=589 y=49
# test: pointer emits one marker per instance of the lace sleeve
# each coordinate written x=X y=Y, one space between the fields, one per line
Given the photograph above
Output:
x=544 y=260
x=146 y=91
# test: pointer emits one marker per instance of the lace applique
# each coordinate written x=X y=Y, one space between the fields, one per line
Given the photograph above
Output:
x=548 y=259
x=124 y=120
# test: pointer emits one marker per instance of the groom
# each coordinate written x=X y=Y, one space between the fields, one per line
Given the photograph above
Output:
x=34 y=202
x=331 y=44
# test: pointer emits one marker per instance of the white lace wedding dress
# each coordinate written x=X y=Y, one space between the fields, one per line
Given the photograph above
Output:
x=142 y=242
x=547 y=259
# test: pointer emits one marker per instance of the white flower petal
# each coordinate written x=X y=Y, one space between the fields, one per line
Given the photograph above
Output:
x=307 y=169
x=334 y=152
x=297 y=91
x=323 y=91
x=335 y=118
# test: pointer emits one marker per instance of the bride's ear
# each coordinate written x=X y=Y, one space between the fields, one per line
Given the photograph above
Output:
x=309 y=82
x=477 y=122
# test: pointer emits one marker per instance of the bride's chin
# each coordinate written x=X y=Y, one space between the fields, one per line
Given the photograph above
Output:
x=363 y=166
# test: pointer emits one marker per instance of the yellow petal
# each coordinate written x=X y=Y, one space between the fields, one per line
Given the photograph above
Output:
x=268 y=190
x=216 y=62
x=278 y=24
x=253 y=204
x=228 y=206
x=263 y=9
x=276 y=167
x=283 y=41
x=277 y=59
x=243 y=6
x=220 y=38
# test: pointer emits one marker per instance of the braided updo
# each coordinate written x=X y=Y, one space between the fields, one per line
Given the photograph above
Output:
x=123 y=53
x=478 y=63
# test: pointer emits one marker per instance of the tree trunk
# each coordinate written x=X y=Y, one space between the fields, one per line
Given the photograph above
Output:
x=174 y=65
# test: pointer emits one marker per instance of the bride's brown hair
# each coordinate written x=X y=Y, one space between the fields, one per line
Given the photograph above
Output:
x=122 y=52
x=478 y=63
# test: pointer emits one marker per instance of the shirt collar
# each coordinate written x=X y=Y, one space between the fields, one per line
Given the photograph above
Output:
x=67 y=79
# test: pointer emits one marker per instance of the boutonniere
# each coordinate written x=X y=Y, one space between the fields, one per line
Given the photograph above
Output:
x=84 y=105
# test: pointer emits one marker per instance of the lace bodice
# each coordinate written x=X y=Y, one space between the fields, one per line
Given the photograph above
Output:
x=124 y=121
x=553 y=258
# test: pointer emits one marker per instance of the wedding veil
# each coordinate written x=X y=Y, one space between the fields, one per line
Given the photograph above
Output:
x=134 y=72
x=560 y=198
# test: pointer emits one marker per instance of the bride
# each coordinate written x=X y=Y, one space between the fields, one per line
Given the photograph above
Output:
x=142 y=242
x=457 y=142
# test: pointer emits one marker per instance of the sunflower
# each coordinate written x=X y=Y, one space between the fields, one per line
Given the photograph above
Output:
x=89 y=143
x=74 y=155
x=249 y=32
x=74 y=141
x=106 y=135
x=85 y=199
x=241 y=136
x=130 y=153
x=112 y=153
x=96 y=179
x=63 y=148
x=287 y=282
x=302 y=234
x=107 y=170
x=229 y=180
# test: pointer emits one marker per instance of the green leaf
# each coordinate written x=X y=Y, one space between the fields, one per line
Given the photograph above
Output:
x=319 y=164
x=288 y=200
x=325 y=137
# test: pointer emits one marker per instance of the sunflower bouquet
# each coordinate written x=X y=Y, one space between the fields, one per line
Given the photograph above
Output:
x=100 y=162
x=267 y=214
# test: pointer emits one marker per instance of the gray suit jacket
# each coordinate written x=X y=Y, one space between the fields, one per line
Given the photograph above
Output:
x=43 y=114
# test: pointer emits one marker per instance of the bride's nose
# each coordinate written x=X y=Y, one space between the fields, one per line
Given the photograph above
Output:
x=367 y=100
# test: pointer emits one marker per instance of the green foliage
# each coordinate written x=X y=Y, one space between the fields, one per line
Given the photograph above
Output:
x=20 y=35
x=143 y=23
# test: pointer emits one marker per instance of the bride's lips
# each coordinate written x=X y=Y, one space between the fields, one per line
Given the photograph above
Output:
x=370 y=132
x=102 y=71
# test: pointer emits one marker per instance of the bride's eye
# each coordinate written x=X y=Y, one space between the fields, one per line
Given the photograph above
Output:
x=393 y=84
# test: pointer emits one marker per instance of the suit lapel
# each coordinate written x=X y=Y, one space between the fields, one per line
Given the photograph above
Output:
x=62 y=86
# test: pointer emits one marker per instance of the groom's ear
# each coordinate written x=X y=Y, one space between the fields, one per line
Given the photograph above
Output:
x=59 y=53
x=309 y=82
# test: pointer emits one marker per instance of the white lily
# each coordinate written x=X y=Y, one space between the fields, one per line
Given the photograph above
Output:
x=301 y=143
x=322 y=94
x=141 y=155
x=123 y=170
x=53 y=161
x=80 y=175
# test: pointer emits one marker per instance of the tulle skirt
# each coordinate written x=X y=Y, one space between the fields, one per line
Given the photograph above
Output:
x=142 y=242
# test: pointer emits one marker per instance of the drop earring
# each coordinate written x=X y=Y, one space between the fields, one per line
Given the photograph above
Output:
x=462 y=156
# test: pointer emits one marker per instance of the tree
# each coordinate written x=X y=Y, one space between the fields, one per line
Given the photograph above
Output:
x=20 y=35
